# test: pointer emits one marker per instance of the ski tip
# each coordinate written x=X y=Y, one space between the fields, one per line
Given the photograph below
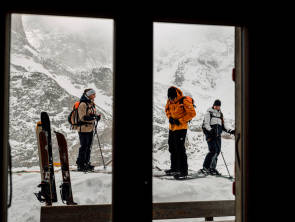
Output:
x=44 y=114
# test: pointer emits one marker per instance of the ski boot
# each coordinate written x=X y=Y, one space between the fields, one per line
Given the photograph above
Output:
x=214 y=172
x=205 y=171
x=170 y=172
x=82 y=168
x=180 y=175
x=89 y=167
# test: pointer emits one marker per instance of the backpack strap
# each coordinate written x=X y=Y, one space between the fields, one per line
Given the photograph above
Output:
x=211 y=114
x=181 y=100
x=220 y=117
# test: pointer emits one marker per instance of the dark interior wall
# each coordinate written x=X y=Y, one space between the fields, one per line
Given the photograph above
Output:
x=132 y=150
x=4 y=23
x=270 y=125
x=133 y=104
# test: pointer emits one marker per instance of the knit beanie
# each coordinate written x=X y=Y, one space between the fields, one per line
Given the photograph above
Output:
x=217 y=102
x=90 y=92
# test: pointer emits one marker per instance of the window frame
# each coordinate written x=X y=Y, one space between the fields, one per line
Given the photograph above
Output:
x=122 y=158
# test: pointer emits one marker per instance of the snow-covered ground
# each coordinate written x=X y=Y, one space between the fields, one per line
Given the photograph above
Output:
x=95 y=188
x=90 y=188
x=201 y=189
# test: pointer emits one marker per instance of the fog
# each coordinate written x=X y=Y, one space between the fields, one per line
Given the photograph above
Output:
x=166 y=35
x=169 y=36
x=97 y=28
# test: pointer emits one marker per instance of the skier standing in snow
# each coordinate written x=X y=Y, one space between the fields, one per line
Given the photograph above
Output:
x=87 y=114
x=179 y=110
x=213 y=126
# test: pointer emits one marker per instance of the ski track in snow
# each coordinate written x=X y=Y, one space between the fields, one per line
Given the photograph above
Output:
x=96 y=188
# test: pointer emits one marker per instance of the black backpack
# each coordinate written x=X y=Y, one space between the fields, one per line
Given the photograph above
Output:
x=73 y=117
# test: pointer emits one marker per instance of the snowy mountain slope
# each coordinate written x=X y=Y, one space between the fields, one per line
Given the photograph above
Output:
x=202 y=71
x=43 y=84
x=77 y=43
x=31 y=93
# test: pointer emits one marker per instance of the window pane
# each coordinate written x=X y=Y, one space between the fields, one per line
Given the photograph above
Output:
x=53 y=60
x=198 y=61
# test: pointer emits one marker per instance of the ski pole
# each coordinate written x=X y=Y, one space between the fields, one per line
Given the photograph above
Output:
x=100 y=152
x=99 y=145
x=225 y=165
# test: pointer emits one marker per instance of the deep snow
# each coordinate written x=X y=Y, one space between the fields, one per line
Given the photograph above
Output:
x=95 y=188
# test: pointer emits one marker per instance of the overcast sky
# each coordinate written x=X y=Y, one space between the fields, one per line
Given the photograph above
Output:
x=92 y=27
x=166 y=35
x=73 y=23
x=183 y=36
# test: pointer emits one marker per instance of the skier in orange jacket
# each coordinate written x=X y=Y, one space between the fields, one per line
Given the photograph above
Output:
x=179 y=110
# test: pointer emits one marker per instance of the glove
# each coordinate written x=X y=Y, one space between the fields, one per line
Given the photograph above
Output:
x=171 y=120
x=213 y=132
x=88 y=118
x=94 y=117
x=177 y=122
x=231 y=131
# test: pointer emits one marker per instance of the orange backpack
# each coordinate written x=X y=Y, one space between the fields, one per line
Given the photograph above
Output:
x=190 y=99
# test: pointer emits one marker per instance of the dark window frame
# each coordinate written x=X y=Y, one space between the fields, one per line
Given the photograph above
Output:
x=124 y=120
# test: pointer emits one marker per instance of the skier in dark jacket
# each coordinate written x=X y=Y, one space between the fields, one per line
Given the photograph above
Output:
x=213 y=126
x=87 y=114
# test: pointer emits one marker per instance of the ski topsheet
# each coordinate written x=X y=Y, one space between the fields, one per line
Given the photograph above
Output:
x=66 y=187
x=45 y=194
x=191 y=175
x=46 y=128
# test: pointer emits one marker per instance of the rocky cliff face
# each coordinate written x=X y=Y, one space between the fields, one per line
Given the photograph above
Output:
x=50 y=69
x=36 y=85
x=202 y=72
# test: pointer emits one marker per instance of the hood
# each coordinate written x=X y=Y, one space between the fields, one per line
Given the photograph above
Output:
x=84 y=98
x=179 y=94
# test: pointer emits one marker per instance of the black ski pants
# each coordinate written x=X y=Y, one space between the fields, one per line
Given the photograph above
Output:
x=177 y=151
x=214 y=145
x=85 y=148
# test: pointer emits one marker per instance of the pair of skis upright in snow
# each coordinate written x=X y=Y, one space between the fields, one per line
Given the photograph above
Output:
x=48 y=189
